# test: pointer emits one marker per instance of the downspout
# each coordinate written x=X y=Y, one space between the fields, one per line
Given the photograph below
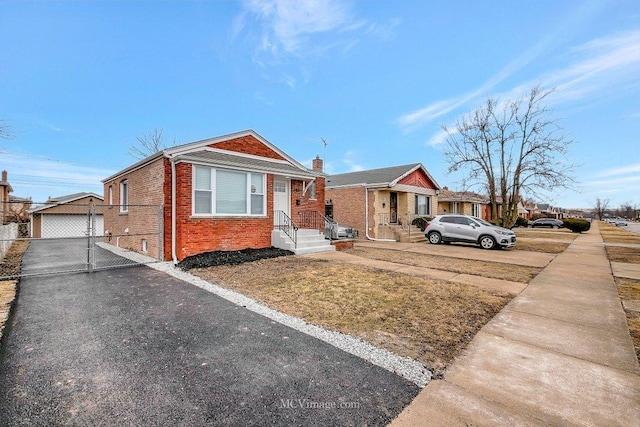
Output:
x=366 y=218
x=173 y=212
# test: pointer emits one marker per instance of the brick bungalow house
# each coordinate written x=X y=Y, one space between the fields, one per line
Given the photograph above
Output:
x=465 y=203
x=224 y=193
x=373 y=200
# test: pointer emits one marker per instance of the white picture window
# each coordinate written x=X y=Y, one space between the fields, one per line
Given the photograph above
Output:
x=423 y=205
x=124 y=196
x=455 y=207
x=226 y=192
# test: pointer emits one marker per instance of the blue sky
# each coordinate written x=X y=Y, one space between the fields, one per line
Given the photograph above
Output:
x=79 y=81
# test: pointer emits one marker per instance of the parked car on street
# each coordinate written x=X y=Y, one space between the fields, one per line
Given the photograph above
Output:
x=469 y=229
x=619 y=222
x=547 y=222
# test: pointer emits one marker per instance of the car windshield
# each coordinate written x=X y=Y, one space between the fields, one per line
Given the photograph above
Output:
x=482 y=221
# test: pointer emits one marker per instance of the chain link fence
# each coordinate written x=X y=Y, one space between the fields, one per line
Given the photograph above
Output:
x=83 y=237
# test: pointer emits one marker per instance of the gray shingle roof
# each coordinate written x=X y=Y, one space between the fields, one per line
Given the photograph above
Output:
x=371 y=176
x=74 y=196
x=247 y=163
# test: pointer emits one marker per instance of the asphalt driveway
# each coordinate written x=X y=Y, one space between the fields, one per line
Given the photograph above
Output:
x=134 y=346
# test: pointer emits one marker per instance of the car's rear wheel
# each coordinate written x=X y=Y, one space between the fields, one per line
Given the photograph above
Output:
x=487 y=242
x=434 y=238
x=555 y=227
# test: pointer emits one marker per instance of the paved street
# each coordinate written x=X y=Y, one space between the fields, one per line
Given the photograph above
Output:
x=134 y=346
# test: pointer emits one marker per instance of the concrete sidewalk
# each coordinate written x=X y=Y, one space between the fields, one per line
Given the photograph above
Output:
x=558 y=354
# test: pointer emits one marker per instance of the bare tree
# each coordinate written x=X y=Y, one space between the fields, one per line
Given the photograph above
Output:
x=626 y=210
x=17 y=211
x=600 y=206
x=149 y=144
x=508 y=149
x=5 y=130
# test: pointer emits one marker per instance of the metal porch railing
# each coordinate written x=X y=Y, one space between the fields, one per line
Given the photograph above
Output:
x=286 y=224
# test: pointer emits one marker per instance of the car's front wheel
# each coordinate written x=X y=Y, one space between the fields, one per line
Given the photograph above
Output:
x=487 y=242
x=435 y=238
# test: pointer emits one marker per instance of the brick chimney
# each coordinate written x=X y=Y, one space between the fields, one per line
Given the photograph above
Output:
x=317 y=164
x=4 y=176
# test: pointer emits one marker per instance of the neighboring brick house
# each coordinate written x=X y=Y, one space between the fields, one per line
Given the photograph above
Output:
x=465 y=203
x=5 y=190
x=372 y=199
x=12 y=208
x=221 y=193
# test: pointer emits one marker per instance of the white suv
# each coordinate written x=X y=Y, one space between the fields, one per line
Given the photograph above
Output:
x=465 y=228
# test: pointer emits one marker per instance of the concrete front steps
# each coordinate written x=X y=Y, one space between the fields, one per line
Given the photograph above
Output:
x=309 y=242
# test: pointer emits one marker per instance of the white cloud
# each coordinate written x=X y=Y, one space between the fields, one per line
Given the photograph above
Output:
x=40 y=177
x=287 y=23
x=623 y=170
x=613 y=183
x=440 y=137
x=604 y=66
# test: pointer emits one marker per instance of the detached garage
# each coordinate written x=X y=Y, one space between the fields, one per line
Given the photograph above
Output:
x=66 y=216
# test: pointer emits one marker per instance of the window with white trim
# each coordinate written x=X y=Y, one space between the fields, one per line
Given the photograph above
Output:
x=455 y=207
x=110 y=195
x=228 y=192
x=124 y=196
x=422 y=205
x=475 y=210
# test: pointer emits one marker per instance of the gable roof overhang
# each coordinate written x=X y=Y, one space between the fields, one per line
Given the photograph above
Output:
x=208 y=156
x=183 y=152
x=378 y=178
x=62 y=200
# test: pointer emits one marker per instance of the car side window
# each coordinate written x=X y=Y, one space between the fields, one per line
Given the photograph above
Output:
x=448 y=219
x=462 y=220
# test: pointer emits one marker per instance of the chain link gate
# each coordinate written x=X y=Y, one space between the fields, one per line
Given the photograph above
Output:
x=72 y=238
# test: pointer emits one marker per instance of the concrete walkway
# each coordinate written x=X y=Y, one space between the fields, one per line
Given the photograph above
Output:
x=498 y=285
x=558 y=354
x=466 y=251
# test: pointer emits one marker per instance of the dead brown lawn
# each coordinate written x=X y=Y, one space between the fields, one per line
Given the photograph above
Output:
x=496 y=270
x=525 y=244
x=547 y=234
x=428 y=320
x=612 y=234
x=629 y=290
x=10 y=266
x=623 y=254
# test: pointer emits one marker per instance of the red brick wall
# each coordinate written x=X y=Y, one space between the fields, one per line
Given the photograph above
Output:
x=143 y=219
x=418 y=179
x=248 y=145
x=348 y=208
x=306 y=203
x=197 y=235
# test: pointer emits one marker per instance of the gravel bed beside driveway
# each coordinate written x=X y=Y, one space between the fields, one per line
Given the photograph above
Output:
x=135 y=346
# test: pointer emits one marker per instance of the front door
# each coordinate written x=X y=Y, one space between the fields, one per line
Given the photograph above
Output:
x=280 y=199
x=393 y=207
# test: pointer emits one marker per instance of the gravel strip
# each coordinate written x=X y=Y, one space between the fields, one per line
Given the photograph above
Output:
x=403 y=366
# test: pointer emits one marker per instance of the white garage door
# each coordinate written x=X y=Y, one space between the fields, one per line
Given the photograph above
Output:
x=69 y=225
